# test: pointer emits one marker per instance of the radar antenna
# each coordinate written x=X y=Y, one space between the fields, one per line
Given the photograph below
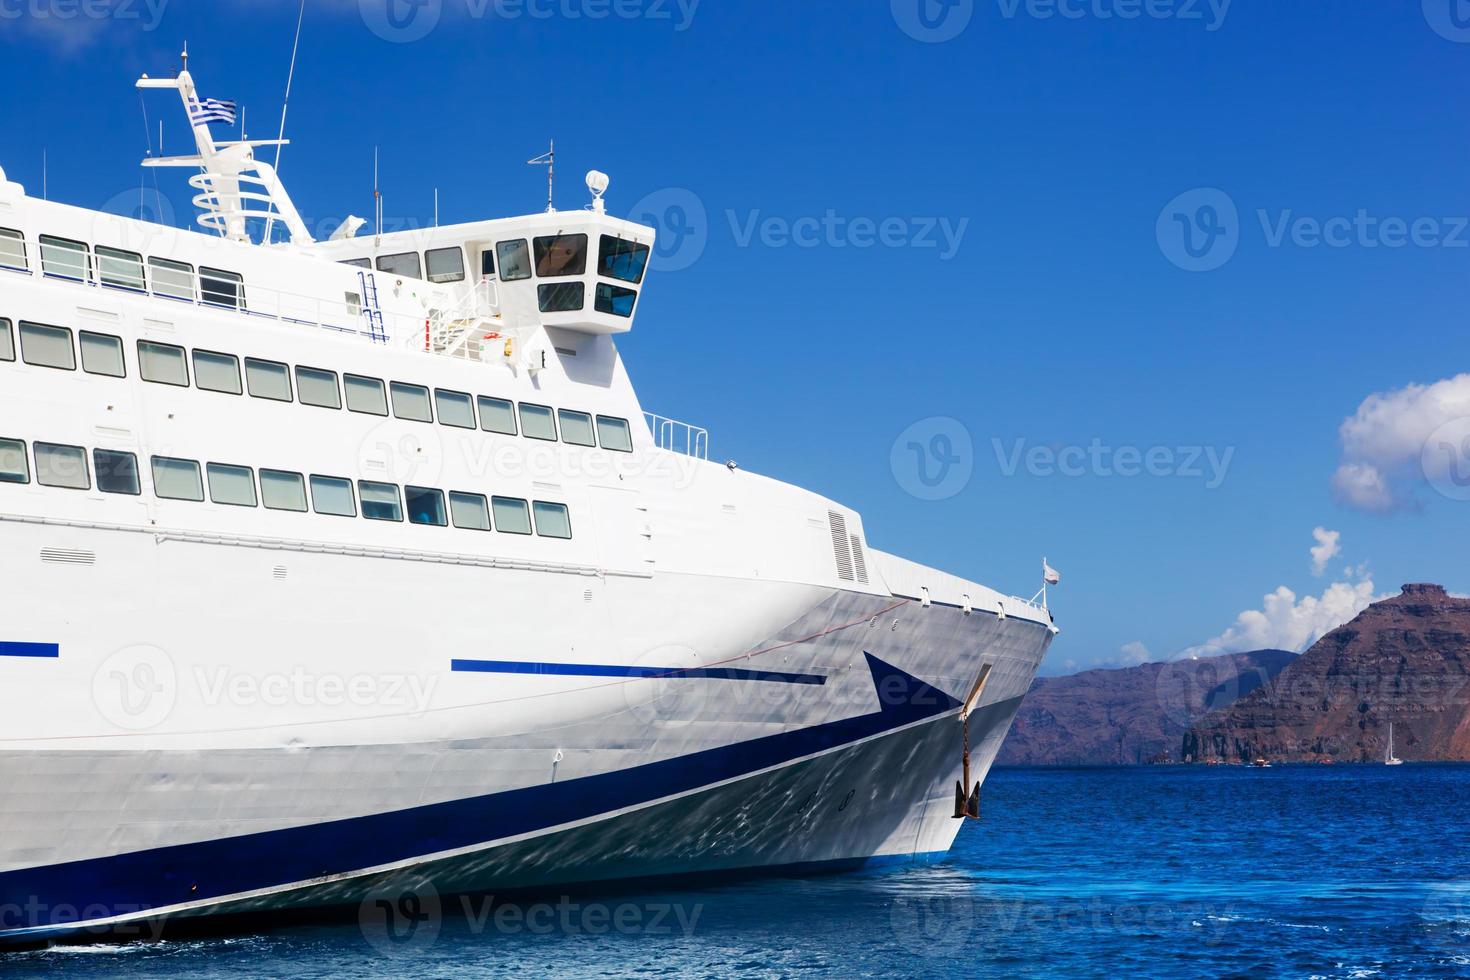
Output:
x=548 y=160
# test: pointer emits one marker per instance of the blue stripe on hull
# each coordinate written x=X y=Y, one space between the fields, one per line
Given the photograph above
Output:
x=47 y=650
x=189 y=873
x=615 y=670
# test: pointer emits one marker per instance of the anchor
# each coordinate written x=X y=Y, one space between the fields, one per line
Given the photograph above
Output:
x=968 y=804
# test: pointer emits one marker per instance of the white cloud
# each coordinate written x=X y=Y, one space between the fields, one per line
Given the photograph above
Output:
x=1326 y=549
x=1135 y=653
x=1285 y=622
x=1385 y=451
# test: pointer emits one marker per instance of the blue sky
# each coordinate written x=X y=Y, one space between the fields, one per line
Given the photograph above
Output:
x=885 y=221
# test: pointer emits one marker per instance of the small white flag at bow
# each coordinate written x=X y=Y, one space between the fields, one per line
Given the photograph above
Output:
x=1050 y=575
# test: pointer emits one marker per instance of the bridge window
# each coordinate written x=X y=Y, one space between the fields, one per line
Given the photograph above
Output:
x=515 y=260
x=359 y=263
x=102 y=354
x=219 y=288
x=537 y=422
x=120 y=269
x=561 y=255
x=365 y=395
x=445 y=264
x=162 y=364
x=7 y=342
x=552 y=520
x=13 y=465
x=497 y=415
x=217 y=372
x=411 y=402
x=561 y=297
x=268 y=379
x=332 y=495
x=576 y=428
x=620 y=259
x=177 y=479
x=455 y=408
x=65 y=259
x=174 y=280
x=469 y=510
x=232 y=485
x=13 y=250
x=404 y=264
x=283 y=490
x=615 y=300
x=379 y=501
x=46 y=346
x=317 y=387
x=62 y=466
x=425 y=506
x=116 y=472
x=512 y=516
x=614 y=434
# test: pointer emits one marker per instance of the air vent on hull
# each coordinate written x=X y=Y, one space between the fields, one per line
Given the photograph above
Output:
x=841 y=549
x=68 y=556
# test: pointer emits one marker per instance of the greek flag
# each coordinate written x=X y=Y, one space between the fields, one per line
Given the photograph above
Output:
x=212 y=110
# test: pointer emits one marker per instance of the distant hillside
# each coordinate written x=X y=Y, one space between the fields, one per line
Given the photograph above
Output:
x=1131 y=715
x=1404 y=660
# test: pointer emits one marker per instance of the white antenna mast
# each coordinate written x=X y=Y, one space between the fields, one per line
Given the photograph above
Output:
x=548 y=160
x=285 y=103
x=377 y=203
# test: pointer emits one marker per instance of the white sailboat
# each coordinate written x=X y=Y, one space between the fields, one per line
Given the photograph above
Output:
x=1389 y=759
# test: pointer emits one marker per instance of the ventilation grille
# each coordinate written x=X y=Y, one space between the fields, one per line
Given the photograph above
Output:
x=859 y=563
x=279 y=573
x=840 y=546
x=68 y=556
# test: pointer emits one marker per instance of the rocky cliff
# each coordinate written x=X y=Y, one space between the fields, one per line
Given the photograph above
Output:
x=1404 y=660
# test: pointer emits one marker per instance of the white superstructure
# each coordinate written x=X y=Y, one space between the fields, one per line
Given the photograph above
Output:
x=327 y=563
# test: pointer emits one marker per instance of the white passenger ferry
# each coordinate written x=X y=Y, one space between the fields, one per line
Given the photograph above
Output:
x=326 y=563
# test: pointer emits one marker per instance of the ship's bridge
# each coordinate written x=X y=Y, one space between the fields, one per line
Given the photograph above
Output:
x=573 y=270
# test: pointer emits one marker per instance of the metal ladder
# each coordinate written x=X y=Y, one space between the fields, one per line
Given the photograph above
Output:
x=370 y=309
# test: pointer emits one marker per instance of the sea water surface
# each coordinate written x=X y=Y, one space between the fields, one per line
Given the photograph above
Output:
x=1344 y=871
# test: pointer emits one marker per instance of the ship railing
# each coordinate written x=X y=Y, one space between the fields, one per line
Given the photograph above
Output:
x=678 y=437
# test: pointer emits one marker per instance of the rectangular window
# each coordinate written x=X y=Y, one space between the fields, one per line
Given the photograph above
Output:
x=552 y=520
x=445 y=264
x=455 y=408
x=561 y=297
x=620 y=259
x=614 y=434
x=116 y=472
x=61 y=466
x=615 y=300
x=576 y=428
x=515 y=260
x=537 y=422
x=365 y=395
x=120 y=269
x=47 y=346
x=65 y=259
x=172 y=279
x=268 y=379
x=425 y=506
x=497 y=415
x=13 y=250
x=217 y=372
x=359 y=263
x=512 y=516
x=283 y=490
x=379 y=501
x=333 y=496
x=403 y=264
x=162 y=364
x=561 y=255
x=177 y=479
x=317 y=387
x=102 y=353
x=411 y=402
x=220 y=288
x=13 y=466
x=232 y=485
x=7 y=342
x=470 y=510
x=487 y=262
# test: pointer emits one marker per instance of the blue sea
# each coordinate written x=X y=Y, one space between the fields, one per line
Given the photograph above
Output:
x=1345 y=871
